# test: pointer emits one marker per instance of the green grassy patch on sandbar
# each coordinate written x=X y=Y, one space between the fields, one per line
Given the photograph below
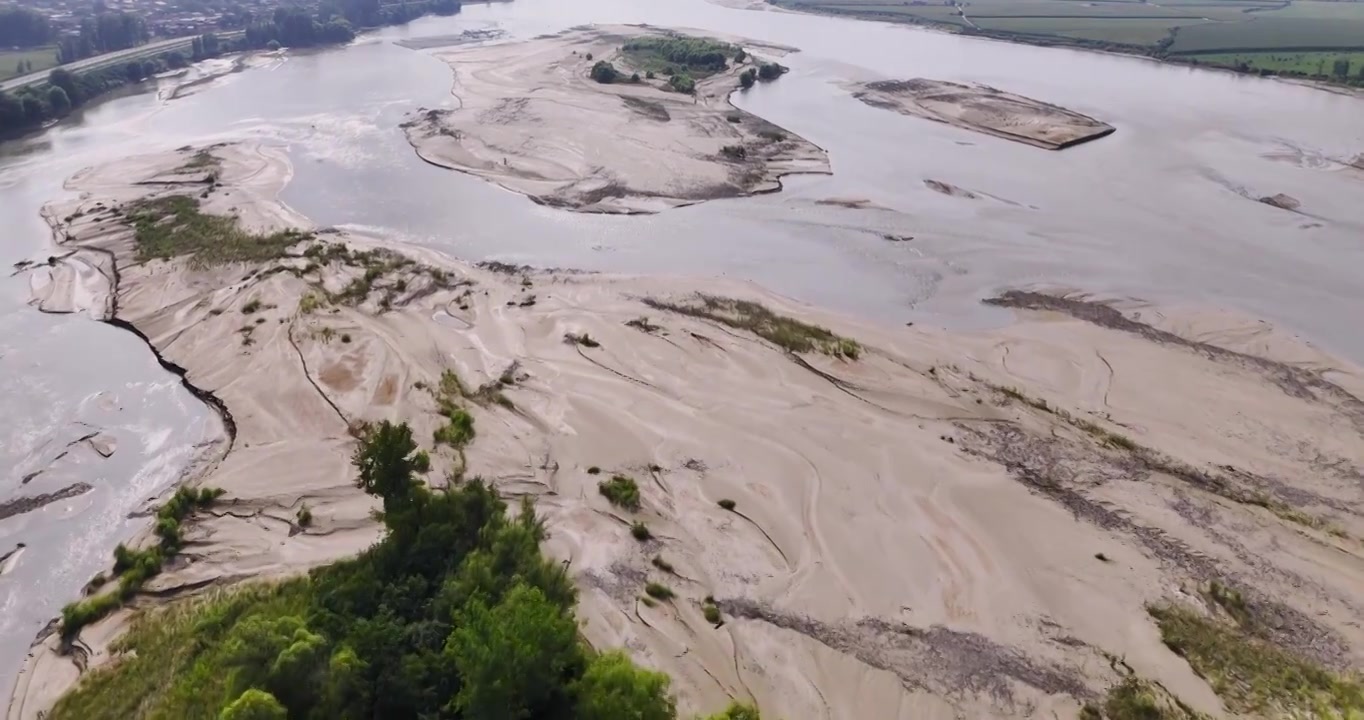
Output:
x=1250 y=674
x=173 y=226
x=785 y=332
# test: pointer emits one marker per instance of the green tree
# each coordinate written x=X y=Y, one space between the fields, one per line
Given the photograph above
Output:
x=747 y=78
x=57 y=100
x=512 y=658
x=604 y=72
x=254 y=705
x=65 y=80
x=613 y=688
x=386 y=464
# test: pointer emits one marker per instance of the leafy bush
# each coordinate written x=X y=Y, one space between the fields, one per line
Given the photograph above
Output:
x=659 y=591
x=770 y=71
x=747 y=78
x=640 y=531
x=662 y=564
x=682 y=83
x=604 y=72
x=621 y=491
x=727 y=504
x=712 y=614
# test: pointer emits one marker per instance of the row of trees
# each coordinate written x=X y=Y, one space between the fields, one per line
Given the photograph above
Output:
x=297 y=28
x=32 y=106
x=453 y=614
x=23 y=27
x=106 y=32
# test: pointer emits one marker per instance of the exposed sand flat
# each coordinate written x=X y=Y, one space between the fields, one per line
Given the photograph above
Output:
x=909 y=539
x=530 y=119
x=984 y=109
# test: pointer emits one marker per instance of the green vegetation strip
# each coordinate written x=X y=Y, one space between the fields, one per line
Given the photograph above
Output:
x=787 y=333
x=173 y=226
x=1250 y=674
x=453 y=614
x=135 y=567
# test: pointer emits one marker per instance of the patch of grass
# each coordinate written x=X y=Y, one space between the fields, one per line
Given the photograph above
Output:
x=40 y=58
x=421 y=462
x=787 y=333
x=173 y=226
x=649 y=602
x=310 y=302
x=640 y=531
x=1253 y=676
x=201 y=160
x=663 y=565
x=658 y=591
x=621 y=491
x=1137 y=699
x=727 y=504
x=459 y=431
x=135 y=567
x=252 y=306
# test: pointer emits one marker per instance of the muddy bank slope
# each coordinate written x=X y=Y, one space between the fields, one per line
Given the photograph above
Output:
x=984 y=109
x=891 y=522
x=530 y=118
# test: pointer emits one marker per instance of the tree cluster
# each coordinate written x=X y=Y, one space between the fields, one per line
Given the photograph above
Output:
x=23 y=27
x=297 y=28
x=698 y=54
x=105 y=32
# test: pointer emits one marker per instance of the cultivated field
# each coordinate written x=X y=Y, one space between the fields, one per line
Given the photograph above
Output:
x=1306 y=36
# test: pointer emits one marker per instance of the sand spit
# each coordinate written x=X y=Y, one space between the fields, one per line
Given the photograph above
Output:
x=924 y=525
x=530 y=119
x=984 y=109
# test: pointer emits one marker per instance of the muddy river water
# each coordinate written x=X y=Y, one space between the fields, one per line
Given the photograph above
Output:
x=1164 y=209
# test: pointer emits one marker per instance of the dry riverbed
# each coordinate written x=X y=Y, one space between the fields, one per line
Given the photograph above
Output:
x=889 y=522
x=529 y=118
x=984 y=109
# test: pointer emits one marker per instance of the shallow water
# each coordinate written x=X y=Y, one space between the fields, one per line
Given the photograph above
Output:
x=1161 y=210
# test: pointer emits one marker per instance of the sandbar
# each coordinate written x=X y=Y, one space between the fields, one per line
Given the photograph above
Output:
x=528 y=117
x=984 y=109
x=924 y=524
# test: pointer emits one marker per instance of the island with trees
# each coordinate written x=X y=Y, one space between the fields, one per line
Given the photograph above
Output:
x=643 y=122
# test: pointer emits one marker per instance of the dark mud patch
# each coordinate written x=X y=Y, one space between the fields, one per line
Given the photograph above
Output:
x=1282 y=201
x=22 y=505
x=1294 y=381
x=949 y=190
x=650 y=109
x=935 y=659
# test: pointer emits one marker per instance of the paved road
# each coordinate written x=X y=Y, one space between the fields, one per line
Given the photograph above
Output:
x=152 y=48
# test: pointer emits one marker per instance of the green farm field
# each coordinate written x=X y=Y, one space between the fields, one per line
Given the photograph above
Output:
x=41 y=58
x=1293 y=36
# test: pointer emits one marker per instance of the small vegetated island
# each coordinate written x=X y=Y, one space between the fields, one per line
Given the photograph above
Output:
x=621 y=120
x=985 y=109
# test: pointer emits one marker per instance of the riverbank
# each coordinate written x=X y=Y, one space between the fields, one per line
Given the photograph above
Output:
x=530 y=117
x=888 y=520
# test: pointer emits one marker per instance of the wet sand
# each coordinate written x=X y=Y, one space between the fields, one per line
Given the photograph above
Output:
x=917 y=530
x=985 y=109
x=529 y=118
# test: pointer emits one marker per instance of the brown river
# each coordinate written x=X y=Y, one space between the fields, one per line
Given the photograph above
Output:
x=1164 y=209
